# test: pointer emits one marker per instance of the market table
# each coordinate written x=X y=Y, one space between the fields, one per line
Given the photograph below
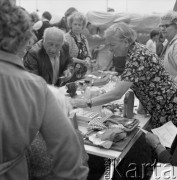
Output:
x=112 y=154
x=115 y=155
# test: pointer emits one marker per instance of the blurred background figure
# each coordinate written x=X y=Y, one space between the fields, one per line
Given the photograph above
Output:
x=7 y=2
x=160 y=44
x=40 y=26
x=34 y=17
x=99 y=52
x=151 y=43
x=78 y=45
x=169 y=30
x=63 y=23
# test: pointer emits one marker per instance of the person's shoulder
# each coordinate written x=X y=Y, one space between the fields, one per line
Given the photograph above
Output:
x=65 y=46
x=68 y=36
x=62 y=22
x=34 y=79
x=37 y=47
x=37 y=25
x=149 y=42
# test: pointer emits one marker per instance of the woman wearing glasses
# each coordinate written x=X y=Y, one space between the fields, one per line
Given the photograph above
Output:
x=143 y=73
x=169 y=30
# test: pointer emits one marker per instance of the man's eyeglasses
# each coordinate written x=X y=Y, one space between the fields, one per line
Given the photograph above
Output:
x=165 y=25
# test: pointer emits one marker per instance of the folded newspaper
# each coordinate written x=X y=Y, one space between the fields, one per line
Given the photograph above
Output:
x=166 y=133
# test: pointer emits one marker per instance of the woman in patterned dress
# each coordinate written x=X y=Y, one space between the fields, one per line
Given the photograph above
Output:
x=78 y=45
x=143 y=73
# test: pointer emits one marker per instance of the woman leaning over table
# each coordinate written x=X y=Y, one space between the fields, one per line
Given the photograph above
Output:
x=143 y=73
x=78 y=45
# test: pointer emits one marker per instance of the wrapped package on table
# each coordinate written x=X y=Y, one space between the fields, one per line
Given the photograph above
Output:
x=110 y=130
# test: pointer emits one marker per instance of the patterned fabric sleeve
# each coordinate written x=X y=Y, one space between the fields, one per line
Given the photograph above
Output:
x=133 y=69
x=140 y=65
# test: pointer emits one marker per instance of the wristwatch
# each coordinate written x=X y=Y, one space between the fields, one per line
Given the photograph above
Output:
x=89 y=103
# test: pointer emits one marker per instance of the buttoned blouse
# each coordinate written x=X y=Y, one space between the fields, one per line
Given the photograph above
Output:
x=170 y=58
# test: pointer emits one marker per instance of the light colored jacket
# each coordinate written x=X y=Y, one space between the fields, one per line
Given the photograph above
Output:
x=26 y=107
x=170 y=59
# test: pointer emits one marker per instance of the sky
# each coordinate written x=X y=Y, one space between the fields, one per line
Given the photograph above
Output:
x=58 y=7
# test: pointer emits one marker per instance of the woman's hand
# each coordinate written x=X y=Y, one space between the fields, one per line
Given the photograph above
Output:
x=84 y=62
x=76 y=60
x=81 y=103
x=152 y=139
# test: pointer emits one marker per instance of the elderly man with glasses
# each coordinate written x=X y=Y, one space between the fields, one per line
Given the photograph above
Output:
x=169 y=30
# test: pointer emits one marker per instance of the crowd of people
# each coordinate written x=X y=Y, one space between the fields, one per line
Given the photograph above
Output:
x=38 y=139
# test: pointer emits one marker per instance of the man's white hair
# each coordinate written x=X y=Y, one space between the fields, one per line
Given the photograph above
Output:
x=54 y=31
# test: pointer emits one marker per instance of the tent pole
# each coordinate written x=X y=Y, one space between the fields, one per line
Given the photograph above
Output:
x=37 y=6
x=106 y=5
x=175 y=6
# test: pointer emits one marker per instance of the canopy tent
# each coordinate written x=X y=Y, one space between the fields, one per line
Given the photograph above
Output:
x=142 y=24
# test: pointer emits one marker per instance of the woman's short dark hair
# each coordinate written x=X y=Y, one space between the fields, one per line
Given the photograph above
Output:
x=154 y=33
x=34 y=17
x=15 y=28
x=70 y=11
x=47 y=15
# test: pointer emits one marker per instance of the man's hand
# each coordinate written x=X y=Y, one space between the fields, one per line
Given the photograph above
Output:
x=85 y=62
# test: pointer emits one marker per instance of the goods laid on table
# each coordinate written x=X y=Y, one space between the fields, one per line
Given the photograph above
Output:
x=72 y=88
x=104 y=131
x=84 y=115
x=110 y=126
